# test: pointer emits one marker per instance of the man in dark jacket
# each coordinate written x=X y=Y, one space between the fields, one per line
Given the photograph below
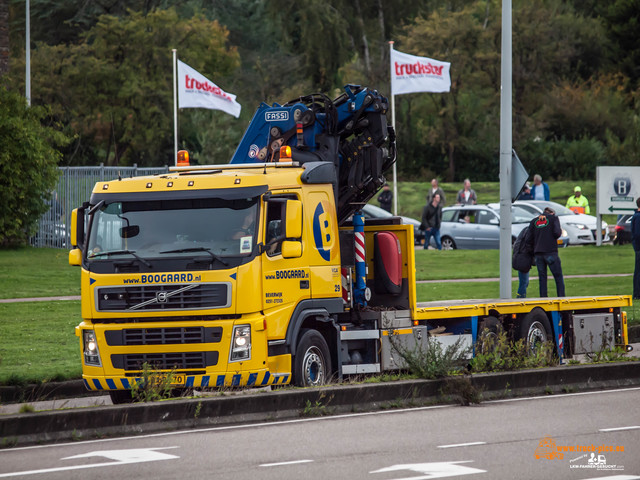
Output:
x=523 y=260
x=545 y=231
x=386 y=198
x=431 y=218
x=635 y=241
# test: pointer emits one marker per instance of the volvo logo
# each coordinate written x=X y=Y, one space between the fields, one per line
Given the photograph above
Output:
x=162 y=297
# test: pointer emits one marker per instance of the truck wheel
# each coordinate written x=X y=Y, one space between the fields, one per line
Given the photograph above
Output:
x=312 y=363
x=488 y=331
x=535 y=330
x=120 y=396
x=448 y=243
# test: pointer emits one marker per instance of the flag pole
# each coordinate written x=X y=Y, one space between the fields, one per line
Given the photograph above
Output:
x=175 y=110
x=393 y=124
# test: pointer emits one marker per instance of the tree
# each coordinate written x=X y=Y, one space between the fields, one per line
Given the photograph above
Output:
x=28 y=167
x=4 y=36
x=113 y=90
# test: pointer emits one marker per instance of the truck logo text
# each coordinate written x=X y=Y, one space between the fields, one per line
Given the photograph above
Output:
x=321 y=231
x=281 y=115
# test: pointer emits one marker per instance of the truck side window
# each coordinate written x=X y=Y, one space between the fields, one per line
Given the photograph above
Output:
x=275 y=224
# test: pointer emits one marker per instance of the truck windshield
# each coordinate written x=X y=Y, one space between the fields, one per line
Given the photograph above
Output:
x=162 y=228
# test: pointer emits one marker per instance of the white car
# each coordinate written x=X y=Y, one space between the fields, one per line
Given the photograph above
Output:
x=580 y=228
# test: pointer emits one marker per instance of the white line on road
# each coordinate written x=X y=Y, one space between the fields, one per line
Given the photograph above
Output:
x=293 y=462
x=617 y=429
x=462 y=445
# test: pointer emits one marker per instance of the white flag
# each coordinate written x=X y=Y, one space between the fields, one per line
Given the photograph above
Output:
x=411 y=74
x=197 y=91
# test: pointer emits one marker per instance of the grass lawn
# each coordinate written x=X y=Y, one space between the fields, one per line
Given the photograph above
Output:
x=577 y=260
x=38 y=342
x=37 y=272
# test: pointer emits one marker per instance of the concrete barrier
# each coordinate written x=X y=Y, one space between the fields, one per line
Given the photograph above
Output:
x=99 y=422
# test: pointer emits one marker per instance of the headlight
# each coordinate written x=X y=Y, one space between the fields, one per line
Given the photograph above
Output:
x=90 y=348
x=240 y=343
x=564 y=233
x=579 y=226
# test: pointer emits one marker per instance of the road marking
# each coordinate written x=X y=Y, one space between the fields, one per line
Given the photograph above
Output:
x=617 y=429
x=462 y=444
x=303 y=420
x=121 y=457
x=433 y=470
x=293 y=462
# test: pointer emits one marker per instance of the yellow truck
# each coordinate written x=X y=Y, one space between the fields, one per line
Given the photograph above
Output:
x=264 y=272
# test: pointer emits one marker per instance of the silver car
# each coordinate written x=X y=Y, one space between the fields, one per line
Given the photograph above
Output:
x=581 y=228
x=478 y=226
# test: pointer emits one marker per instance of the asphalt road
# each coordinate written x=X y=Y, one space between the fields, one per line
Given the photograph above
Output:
x=495 y=440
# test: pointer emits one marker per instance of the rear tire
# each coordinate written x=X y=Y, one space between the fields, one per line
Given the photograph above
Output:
x=448 y=243
x=535 y=330
x=312 y=362
x=488 y=334
x=120 y=396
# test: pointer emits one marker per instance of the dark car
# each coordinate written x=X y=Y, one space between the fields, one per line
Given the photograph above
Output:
x=623 y=230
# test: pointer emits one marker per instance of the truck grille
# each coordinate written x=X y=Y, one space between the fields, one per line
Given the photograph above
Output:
x=165 y=361
x=163 y=336
x=164 y=297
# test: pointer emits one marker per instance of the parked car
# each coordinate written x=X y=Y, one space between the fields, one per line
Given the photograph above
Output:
x=478 y=226
x=372 y=211
x=623 y=230
x=581 y=228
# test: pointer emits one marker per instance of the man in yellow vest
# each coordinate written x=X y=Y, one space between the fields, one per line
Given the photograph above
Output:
x=578 y=202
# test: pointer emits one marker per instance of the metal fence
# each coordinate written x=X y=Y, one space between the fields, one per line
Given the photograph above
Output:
x=74 y=187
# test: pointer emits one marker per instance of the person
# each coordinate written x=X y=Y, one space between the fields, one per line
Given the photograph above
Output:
x=522 y=260
x=577 y=202
x=435 y=188
x=385 y=198
x=431 y=219
x=525 y=194
x=540 y=190
x=635 y=241
x=248 y=226
x=467 y=196
x=545 y=231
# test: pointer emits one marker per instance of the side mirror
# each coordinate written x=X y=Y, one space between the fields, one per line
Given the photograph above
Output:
x=494 y=221
x=77 y=227
x=75 y=257
x=291 y=249
x=129 y=231
x=294 y=219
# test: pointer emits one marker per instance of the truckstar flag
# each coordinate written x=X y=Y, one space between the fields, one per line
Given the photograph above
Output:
x=197 y=91
x=411 y=74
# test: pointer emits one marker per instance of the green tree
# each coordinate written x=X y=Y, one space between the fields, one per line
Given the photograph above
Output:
x=28 y=167
x=114 y=89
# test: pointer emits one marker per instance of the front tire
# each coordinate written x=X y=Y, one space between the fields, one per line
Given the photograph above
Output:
x=312 y=362
x=448 y=243
x=120 y=396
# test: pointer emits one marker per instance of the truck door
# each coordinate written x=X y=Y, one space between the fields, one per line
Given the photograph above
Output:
x=285 y=281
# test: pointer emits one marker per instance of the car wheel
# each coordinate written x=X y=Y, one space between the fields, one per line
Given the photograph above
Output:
x=489 y=331
x=448 y=243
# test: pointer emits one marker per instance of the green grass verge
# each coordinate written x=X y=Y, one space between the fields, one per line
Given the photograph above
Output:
x=584 y=260
x=38 y=342
x=37 y=272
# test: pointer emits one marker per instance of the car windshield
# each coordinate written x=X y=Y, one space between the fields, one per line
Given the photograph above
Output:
x=519 y=214
x=559 y=209
x=160 y=228
x=371 y=211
